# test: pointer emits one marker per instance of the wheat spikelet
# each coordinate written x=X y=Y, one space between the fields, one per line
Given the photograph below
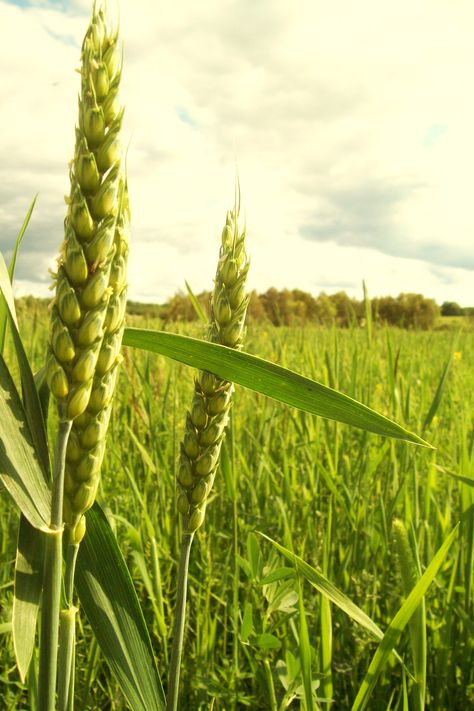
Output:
x=210 y=407
x=88 y=310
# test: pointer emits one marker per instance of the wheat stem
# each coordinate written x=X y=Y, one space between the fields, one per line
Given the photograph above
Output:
x=52 y=579
x=179 y=620
x=67 y=634
x=66 y=666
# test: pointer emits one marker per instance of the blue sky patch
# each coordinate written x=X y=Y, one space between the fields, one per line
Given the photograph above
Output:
x=185 y=117
x=434 y=132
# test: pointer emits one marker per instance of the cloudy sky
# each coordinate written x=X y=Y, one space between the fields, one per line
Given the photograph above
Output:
x=350 y=125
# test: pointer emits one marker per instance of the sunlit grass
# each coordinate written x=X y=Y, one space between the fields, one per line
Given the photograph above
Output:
x=306 y=483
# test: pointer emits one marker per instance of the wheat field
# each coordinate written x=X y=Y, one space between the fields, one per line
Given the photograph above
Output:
x=325 y=490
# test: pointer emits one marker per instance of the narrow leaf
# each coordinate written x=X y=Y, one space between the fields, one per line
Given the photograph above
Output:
x=196 y=305
x=438 y=394
x=305 y=652
x=6 y=302
x=33 y=409
x=247 y=622
x=321 y=583
x=19 y=238
x=110 y=603
x=28 y=584
x=20 y=469
x=269 y=379
x=398 y=623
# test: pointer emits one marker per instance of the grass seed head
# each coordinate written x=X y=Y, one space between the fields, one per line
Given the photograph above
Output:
x=205 y=425
x=87 y=315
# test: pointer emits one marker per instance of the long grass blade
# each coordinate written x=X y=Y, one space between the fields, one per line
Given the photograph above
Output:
x=435 y=403
x=196 y=305
x=110 y=603
x=27 y=592
x=31 y=400
x=324 y=586
x=11 y=270
x=398 y=624
x=20 y=468
x=269 y=379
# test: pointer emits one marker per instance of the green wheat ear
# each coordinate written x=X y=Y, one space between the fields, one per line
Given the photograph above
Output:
x=206 y=422
x=87 y=312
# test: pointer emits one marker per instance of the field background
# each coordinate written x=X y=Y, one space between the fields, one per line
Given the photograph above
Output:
x=327 y=491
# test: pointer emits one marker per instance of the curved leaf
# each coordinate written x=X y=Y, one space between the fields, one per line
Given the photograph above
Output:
x=20 y=469
x=28 y=585
x=31 y=400
x=269 y=379
x=111 y=605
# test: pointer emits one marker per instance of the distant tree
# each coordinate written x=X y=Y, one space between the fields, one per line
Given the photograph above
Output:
x=325 y=310
x=346 y=308
x=270 y=301
x=406 y=311
x=451 y=308
x=256 y=309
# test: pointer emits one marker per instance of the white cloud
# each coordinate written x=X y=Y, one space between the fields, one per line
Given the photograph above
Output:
x=340 y=116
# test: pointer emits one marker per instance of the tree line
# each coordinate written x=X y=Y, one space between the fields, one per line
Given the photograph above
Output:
x=294 y=307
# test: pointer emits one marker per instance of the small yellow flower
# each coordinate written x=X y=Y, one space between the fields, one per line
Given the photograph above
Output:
x=457 y=356
x=378 y=389
x=435 y=420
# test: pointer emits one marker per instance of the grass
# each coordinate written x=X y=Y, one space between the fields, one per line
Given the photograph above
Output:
x=324 y=490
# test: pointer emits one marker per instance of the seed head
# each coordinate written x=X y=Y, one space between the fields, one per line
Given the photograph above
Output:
x=210 y=407
x=84 y=333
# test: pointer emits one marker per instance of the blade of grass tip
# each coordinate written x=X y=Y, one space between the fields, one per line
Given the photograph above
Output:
x=368 y=312
x=438 y=393
x=269 y=379
x=19 y=238
x=11 y=269
x=196 y=305
x=399 y=622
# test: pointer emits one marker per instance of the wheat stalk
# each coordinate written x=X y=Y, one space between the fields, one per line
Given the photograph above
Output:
x=87 y=316
x=207 y=420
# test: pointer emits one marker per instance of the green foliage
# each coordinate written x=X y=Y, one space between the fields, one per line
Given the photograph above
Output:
x=451 y=308
x=281 y=470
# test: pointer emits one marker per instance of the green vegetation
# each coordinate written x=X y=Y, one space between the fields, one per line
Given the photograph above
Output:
x=324 y=490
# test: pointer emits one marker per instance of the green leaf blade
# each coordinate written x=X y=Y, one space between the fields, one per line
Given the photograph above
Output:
x=20 y=468
x=269 y=379
x=330 y=591
x=110 y=603
x=399 y=622
x=28 y=585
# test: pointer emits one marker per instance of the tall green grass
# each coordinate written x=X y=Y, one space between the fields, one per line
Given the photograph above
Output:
x=323 y=490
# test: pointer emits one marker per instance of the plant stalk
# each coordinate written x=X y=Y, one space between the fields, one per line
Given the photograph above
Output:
x=270 y=686
x=67 y=639
x=179 y=620
x=67 y=635
x=51 y=602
